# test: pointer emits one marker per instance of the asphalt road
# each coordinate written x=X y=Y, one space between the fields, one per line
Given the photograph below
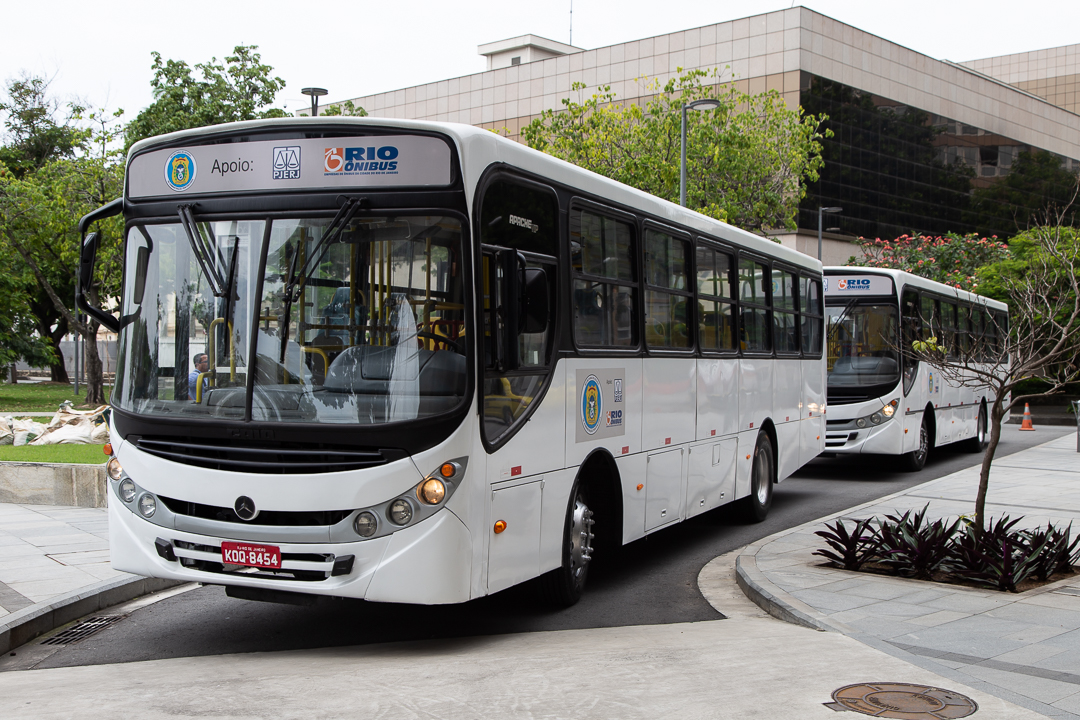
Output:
x=651 y=581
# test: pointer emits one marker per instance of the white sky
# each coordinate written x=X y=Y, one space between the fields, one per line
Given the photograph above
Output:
x=100 y=52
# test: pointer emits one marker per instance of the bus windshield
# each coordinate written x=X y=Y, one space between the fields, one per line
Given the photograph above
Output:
x=862 y=345
x=297 y=320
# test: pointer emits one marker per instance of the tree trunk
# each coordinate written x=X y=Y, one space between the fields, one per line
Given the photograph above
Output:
x=95 y=384
x=997 y=413
x=57 y=371
x=14 y=374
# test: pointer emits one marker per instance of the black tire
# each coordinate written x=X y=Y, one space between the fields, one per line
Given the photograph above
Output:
x=565 y=585
x=755 y=508
x=978 y=443
x=915 y=460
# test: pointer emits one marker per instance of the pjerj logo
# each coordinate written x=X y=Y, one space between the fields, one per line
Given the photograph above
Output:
x=361 y=161
x=287 y=163
x=592 y=404
x=180 y=170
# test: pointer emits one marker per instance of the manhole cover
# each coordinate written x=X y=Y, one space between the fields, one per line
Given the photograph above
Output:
x=84 y=629
x=902 y=700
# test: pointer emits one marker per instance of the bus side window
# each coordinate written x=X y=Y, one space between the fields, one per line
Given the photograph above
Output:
x=667 y=294
x=605 y=286
x=911 y=331
x=522 y=216
x=715 y=306
x=811 y=315
x=753 y=307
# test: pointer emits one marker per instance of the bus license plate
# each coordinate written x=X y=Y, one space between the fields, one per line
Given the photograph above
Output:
x=264 y=556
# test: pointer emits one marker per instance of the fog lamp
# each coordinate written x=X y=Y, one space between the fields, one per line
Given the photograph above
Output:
x=431 y=491
x=861 y=422
x=365 y=524
x=147 y=505
x=127 y=490
x=401 y=512
x=114 y=469
x=876 y=418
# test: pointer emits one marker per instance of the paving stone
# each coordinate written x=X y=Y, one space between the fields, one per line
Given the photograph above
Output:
x=938 y=618
x=1043 y=690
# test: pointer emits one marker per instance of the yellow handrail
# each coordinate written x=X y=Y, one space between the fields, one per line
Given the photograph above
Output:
x=232 y=349
x=198 y=386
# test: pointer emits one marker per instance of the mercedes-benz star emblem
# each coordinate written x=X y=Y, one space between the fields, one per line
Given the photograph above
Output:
x=245 y=508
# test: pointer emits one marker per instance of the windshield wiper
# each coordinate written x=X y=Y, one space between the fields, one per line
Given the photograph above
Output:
x=296 y=281
x=201 y=251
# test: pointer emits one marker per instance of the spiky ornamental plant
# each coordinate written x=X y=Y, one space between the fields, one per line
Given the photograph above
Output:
x=913 y=546
x=854 y=548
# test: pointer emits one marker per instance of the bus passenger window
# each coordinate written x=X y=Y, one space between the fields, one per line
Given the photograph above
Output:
x=811 y=317
x=755 y=325
x=785 y=329
x=604 y=294
x=667 y=261
x=716 y=313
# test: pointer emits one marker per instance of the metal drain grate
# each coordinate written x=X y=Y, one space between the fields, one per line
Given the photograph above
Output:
x=84 y=629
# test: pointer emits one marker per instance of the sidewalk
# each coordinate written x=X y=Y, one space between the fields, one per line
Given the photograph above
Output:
x=1021 y=647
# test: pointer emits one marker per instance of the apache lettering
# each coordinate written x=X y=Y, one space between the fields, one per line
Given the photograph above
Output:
x=524 y=222
x=224 y=167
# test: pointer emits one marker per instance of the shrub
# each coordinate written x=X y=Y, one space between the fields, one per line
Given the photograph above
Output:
x=913 y=547
x=852 y=549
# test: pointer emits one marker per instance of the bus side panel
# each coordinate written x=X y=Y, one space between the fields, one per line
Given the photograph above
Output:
x=614 y=440
x=813 y=410
x=787 y=397
x=710 y=479
x=538 y=446
x=670 y=389
x=514 y=553
x=632 y=470
x=717 y=398
x=556 y=487
x=756 y=392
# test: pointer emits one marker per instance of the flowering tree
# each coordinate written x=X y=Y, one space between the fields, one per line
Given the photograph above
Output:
x=951 y=259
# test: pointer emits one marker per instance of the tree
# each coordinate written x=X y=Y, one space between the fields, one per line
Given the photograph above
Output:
x=34 y=134
x=1041 y=340
x=18 y=340
x=951 y=259
x=345 y=109
x=241 y=89
x=747 y=160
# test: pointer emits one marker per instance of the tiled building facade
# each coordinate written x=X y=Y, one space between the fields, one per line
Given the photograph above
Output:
x=917 y=141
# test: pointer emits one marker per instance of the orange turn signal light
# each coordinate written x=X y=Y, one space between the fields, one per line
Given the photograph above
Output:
x=640 y=486
x=107 y=447
x=447 y=470
x=500 y=526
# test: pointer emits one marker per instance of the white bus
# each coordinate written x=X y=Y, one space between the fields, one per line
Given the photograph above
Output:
x=417 y=362
x=882 y=400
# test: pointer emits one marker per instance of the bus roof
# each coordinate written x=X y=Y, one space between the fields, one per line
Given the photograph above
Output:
x=903 y=279
x=486 y=148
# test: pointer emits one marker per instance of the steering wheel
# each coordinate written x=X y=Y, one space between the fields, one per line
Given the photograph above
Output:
x=440 y=339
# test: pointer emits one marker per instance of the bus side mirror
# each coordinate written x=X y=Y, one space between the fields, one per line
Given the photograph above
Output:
x=534 y=301
x=87 y=256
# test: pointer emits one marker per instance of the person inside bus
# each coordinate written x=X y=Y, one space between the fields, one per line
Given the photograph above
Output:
x=202 y=364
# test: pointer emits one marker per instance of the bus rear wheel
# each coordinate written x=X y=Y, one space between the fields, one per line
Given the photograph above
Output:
x=915 y=460
x=762 y=475
x=565 y=585
x=979 y=442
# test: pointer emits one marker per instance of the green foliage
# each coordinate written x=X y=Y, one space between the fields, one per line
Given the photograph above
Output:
x=35 y=135
x=747 y=160
x=1026 y=251
x=850 y=549
x=951 y=259
x=74 y=454
x=913 y=546
x=241 y=89
x=344 y=109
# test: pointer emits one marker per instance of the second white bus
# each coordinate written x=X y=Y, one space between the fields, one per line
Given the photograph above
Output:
x=881 y=399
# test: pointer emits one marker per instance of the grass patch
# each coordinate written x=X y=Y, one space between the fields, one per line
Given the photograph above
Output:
x=77 y=454
x=40 y=397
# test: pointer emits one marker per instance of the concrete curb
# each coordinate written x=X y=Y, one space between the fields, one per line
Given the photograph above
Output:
x=22 y=626
x=772 y=599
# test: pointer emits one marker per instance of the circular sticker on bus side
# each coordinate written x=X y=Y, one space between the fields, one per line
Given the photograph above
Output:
x=592 y=403
x=180 y=170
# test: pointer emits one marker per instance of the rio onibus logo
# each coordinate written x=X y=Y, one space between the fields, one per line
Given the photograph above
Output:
x=592 y=404
x=180 y=170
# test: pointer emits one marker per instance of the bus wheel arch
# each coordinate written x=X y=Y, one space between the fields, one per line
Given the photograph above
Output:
x=915 y=460
x=763 y=476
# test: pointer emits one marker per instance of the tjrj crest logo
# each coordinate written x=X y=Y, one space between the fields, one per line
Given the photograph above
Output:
x=592 y=403
x=180 y=170
x=287 y=163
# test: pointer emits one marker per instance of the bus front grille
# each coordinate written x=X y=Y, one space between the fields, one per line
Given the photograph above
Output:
x=313 y=518
x=295 y=567
x=279 y=459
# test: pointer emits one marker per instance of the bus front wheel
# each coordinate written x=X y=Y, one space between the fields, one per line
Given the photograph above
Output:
x=762 y=475
x=565 y=585
x=915 y=460
x=979 y=442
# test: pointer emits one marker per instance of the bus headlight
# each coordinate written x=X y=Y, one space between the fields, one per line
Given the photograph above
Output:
x=365 y=524
x=114 y=469
x=889 y=409
x=400 y=512
x=876 y=418
x=861 y=422
x=431 y=491
x=147 y=505
x=127 y=490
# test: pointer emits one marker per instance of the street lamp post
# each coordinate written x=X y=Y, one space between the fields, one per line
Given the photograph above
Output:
x=821 y=210
x=706 y=104
x=314 y=93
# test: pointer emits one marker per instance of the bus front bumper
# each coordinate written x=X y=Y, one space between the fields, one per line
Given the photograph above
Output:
x=886 y=439
x=428 y=563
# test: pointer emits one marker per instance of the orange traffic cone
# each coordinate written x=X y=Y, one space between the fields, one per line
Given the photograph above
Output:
x=1026 y=425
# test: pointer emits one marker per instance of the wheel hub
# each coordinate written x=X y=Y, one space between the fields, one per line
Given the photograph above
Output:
x=581 y=539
